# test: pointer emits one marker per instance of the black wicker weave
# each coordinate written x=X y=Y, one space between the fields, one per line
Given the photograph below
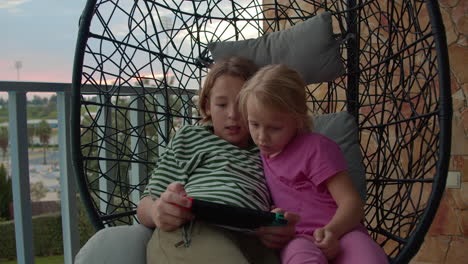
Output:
x=138 y=66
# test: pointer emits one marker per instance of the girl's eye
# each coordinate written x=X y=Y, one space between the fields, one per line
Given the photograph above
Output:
x=221 y=105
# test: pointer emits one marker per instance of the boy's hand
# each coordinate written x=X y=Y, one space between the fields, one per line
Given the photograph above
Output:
x=168 y=211
x=327 y=242
x=277 y=237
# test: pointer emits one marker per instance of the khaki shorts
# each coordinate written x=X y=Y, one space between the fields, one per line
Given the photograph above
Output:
x=208 y=244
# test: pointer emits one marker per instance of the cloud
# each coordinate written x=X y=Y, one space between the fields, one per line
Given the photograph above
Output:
x=5 y=63
x=12 y=4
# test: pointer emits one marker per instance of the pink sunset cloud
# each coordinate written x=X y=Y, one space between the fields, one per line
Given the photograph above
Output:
x=3 y=63
x=33 y=70
x=61 y=77
x=34 y=76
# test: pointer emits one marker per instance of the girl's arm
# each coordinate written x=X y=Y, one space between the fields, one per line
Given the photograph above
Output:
x=165 y=212
x=350 y=210
x=277 y=237
x=349 y=213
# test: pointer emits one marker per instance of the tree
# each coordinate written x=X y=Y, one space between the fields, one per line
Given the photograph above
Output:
x=31 y=134
x=53 y=100
x=3 y=102
x=38 y=191
x=6 y=193
x=37 y=100
x=43 y=131
x=4 y=140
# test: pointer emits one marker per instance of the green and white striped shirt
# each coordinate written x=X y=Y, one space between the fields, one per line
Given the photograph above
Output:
x=211 y=169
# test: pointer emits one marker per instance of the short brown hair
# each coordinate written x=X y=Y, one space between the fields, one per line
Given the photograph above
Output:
x=233 y=66
x=280 y=88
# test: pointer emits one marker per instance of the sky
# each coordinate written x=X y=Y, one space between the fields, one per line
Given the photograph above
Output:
x=41 y=34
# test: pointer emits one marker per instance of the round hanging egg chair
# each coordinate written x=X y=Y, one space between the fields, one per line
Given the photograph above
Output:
x=139 y=64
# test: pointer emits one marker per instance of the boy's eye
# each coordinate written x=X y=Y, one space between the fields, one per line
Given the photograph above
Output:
x=221 y=105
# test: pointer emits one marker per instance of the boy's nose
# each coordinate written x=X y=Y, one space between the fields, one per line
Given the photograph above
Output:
x=233 y=112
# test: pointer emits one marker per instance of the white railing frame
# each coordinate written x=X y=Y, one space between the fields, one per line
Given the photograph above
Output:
x=20 y=168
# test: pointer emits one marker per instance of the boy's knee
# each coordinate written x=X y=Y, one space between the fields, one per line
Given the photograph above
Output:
x=208 y=244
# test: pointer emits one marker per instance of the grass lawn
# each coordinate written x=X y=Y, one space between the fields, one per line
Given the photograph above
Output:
x=42 y=260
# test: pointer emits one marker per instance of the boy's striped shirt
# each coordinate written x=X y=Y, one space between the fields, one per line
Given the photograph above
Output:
x=211 y=169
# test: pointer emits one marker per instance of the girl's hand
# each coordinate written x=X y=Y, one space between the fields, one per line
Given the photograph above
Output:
x=327 y=242
x=168 y=212
x=277 y=237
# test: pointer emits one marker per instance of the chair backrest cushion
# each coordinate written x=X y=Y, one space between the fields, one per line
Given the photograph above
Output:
x=309 y=47
x=342 y=128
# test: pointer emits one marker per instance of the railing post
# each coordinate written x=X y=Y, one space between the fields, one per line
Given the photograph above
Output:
x=67 y=181
x=187 y=110
x=162 y=123
x=138 y=170
x=20 y=176
x=105 y=150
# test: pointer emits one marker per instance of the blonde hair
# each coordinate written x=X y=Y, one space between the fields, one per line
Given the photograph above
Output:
x=278 y=87
x=232 y=66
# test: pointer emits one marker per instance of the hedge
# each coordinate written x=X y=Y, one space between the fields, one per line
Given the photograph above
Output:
x=47 y=235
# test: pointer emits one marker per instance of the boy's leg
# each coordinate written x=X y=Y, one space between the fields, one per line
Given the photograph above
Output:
x=358 y=247
x=209 y=244
x=255 y=251
x=302 y=249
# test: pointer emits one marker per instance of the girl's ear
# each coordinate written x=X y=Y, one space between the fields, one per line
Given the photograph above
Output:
x=300 y=125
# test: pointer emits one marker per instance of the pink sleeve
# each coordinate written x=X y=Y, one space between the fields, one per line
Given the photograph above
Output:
x=326 y=160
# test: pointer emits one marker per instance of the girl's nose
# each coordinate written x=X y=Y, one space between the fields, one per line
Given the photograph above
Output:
x=262 y=138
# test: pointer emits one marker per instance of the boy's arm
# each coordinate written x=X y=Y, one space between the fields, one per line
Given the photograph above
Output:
x=144 y=212
x=165 y=212
x=162 y=212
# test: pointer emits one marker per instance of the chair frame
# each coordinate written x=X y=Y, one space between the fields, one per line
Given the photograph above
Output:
x=406 y=173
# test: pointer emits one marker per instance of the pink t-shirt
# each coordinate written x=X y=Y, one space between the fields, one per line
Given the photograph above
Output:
x=296 y=179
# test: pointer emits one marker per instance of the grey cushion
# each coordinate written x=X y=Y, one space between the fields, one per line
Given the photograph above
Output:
x=116 y=245
x=341 y=127
x=308 y=47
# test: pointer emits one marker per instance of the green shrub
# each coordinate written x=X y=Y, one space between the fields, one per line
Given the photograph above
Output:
x=7 y=240
x=6 y=193
x=47 y=234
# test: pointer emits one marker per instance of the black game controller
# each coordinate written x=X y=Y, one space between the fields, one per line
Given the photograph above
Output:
x=233 y=216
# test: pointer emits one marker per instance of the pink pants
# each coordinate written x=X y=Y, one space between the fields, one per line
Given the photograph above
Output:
x=357 y=247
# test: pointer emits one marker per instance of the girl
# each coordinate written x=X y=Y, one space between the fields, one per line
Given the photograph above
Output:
x=306 y=173
x=213 y=162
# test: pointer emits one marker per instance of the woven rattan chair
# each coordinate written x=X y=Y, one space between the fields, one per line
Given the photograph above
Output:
x=138 y=66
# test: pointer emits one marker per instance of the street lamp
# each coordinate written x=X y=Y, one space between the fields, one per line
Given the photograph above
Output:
x=18 y=65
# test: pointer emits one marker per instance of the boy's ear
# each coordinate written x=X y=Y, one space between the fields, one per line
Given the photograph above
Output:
x=207 y=107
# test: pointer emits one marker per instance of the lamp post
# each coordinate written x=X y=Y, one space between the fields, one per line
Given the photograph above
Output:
x=166 y=22
x=18 y=65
